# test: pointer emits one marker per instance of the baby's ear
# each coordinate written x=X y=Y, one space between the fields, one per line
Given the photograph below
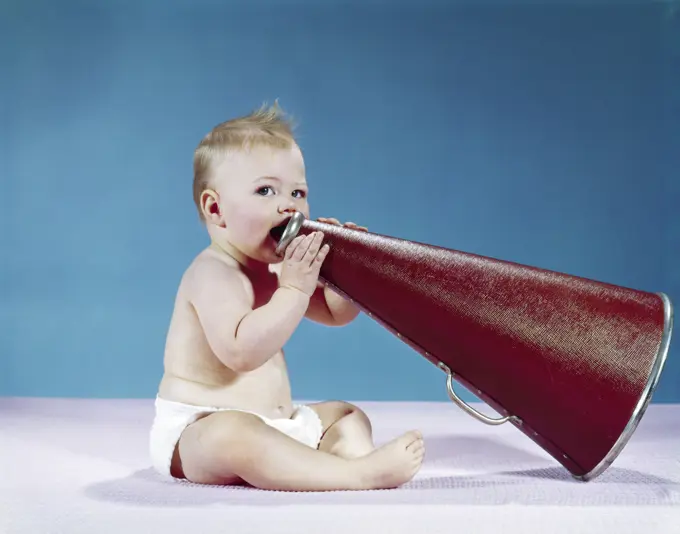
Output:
x=210 y=206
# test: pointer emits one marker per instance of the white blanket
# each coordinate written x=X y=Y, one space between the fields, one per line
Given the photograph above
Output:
x=80 y=466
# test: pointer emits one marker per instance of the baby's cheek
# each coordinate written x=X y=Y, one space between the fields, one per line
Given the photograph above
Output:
x=251 y=225
x=248 y=222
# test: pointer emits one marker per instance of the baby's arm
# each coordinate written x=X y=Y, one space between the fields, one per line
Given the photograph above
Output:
x=243 y=338
x=331 y=309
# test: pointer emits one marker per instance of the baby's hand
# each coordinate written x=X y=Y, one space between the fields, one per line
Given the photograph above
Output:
x=302 y=262
x=351 y=225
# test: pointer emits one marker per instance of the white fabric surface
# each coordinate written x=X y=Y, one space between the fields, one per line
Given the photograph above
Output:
x=81 y=466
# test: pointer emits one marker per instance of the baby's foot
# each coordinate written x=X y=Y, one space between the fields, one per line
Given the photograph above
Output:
x=393 y=464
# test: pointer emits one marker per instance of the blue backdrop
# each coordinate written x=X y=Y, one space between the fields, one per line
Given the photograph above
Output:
x=547 y=134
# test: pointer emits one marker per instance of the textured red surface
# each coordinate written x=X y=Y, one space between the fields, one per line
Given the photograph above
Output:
x=569 y=356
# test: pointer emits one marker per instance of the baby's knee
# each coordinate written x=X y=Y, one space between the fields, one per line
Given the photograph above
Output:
x=342 y=408
x=351 y=412
x=350 y=408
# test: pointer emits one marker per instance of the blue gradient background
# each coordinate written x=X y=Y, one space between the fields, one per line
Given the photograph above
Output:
x=546 y=133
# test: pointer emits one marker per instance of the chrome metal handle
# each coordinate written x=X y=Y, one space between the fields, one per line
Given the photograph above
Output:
x=466 y=407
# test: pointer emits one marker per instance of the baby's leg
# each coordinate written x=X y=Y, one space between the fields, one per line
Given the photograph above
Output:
x=229 y=447
x=347 y=429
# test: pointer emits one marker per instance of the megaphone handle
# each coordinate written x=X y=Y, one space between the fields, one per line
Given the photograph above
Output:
x=466 y=407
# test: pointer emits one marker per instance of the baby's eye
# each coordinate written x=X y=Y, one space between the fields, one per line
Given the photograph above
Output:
x=302 y=194
x=264 y=190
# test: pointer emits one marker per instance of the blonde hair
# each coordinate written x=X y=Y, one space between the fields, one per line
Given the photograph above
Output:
x=268 y=126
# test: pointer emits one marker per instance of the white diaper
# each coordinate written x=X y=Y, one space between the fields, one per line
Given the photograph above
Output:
x=173 y=417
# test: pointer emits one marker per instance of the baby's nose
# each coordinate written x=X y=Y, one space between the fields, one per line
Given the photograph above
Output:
x=287 y=208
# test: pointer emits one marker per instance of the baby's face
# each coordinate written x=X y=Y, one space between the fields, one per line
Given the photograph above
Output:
x=258 y=190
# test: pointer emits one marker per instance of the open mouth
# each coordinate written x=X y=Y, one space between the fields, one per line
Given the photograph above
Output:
x=278 y=230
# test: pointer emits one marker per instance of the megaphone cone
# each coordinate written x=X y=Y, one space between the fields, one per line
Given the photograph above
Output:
x=570 y=362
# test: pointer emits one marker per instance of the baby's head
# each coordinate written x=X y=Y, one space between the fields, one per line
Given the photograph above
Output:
x=249 y=176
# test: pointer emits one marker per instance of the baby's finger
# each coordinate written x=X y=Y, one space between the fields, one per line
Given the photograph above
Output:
x=313 y=249
x=302 y=248
x=321 y=255
x=292 y=246
x=331 y=220
x=355 y=226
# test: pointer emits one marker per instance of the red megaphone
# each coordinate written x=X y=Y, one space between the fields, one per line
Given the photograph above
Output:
x=571 y=362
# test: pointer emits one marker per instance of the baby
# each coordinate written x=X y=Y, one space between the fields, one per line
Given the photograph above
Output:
x=224 y=413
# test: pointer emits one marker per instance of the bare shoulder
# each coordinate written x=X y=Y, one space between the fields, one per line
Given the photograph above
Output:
x=209 y=275
x=208 y=267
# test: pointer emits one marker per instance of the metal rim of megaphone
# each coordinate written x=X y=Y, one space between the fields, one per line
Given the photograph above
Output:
x=290 y=232
x=645 y=398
